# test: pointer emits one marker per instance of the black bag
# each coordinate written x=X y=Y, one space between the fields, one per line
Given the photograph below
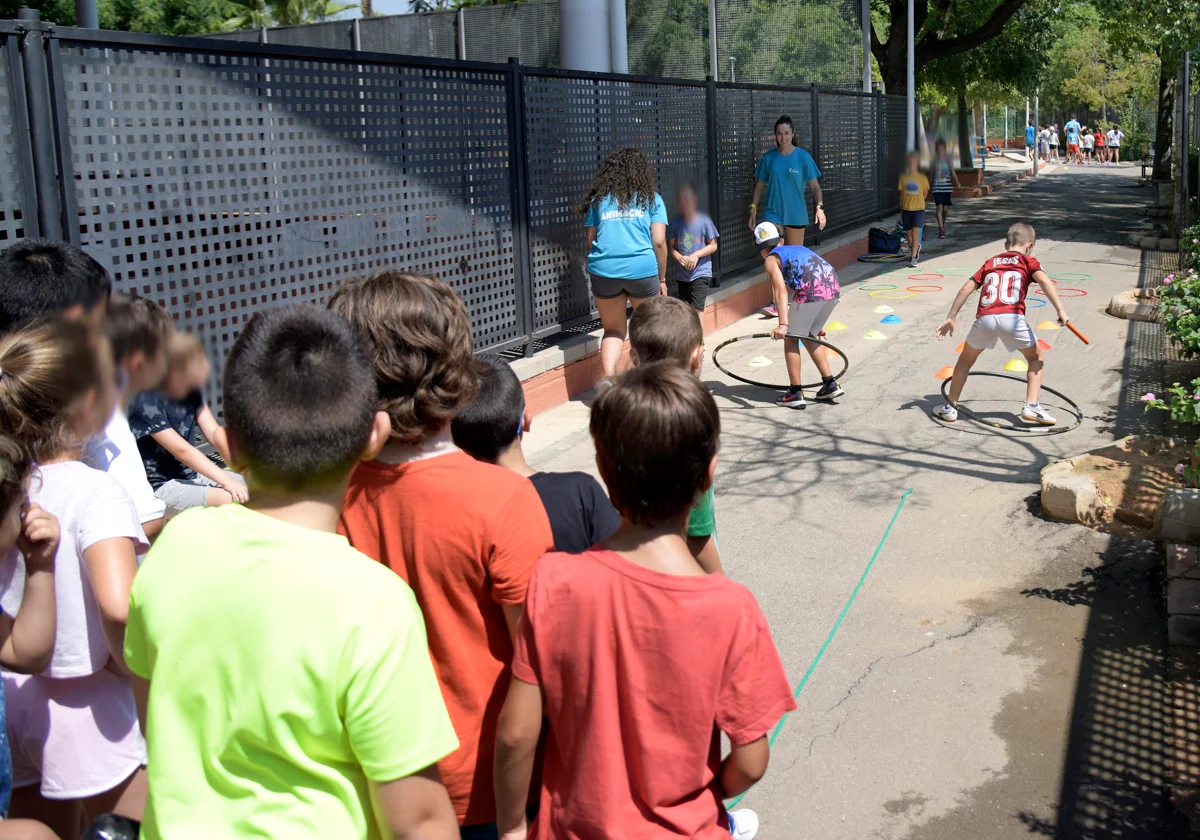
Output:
x=880 y=241
x=113 y=827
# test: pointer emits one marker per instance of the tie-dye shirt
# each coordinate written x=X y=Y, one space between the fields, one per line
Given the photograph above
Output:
x=807 y=276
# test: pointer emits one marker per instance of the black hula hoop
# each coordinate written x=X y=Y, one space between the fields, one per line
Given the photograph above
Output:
x=1036 y=431
x=731 y=374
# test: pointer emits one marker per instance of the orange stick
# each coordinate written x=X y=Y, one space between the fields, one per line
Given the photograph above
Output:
x=1078 y=334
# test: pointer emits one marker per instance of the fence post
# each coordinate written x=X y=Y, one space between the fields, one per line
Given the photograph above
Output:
x=816 y=149
x=714 y=168
x=21 y=137
x=41 y=124
x=880 y=152
x=519 y=199
x=62 y=142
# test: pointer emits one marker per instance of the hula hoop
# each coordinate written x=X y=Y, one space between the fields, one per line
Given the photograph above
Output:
x=1035 y=431
x=899 y=294
x=876 y=287
x=716 y=361
x=921 y=287
x=1078 y=292
x=1030 y=301
x=881 y=258
x=1069 y=276
x=921 y=277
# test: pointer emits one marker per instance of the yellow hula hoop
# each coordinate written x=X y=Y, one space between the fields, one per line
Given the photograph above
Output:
x=897 y=294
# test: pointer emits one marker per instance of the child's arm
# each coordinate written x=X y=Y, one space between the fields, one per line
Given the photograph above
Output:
x=111 y=565
x=1040 y=277
x=759 y=186
x=954 y=176
x=743 y=767
x=779 y=296
x=517 y=735
x=704 y=549
x=417 y=807
x=213 y=432
x=190 y=456
x=947 y=327
x=29 y=636
x=658 y=236
x=681 y=259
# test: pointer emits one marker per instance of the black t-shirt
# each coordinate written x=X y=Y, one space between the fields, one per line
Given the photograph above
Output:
x=579 y=511
x=152 y=412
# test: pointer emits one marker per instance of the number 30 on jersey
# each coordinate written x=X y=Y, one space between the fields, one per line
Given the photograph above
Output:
x=1002 y=286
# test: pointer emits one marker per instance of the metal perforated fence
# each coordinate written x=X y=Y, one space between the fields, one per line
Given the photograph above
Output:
x=224 y=178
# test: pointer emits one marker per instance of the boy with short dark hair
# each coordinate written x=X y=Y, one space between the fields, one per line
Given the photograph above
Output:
x=138 y=331
x=692 y=240
x=39 y=277
x=290 y=689
x=490 y=429
x=664 y=329
x=463 y=534
x=636 y=657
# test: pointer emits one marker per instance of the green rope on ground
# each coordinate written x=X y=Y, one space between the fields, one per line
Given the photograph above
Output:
x=833 y=632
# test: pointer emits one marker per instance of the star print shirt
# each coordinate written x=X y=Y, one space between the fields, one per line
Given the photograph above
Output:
x=153 y=412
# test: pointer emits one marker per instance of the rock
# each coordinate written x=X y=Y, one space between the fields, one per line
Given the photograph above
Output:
x=1183 y=597
x=1180 y=515
x=1072 y=498
x=1135 y=305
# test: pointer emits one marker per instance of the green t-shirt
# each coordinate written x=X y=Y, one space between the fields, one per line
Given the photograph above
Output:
x=702 y=521
x=286 y=669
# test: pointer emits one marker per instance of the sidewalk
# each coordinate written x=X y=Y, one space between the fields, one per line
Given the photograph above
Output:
x=999 y=675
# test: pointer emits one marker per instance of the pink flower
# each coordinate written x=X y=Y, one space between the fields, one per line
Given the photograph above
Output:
x=1179 y=469
x=1167 y=281
x=1149 y=397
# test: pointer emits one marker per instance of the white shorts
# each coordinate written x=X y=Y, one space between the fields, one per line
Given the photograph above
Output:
x=75 y=737
x=808 y=319
x=1010 y=328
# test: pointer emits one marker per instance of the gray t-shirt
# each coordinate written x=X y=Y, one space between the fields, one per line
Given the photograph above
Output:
x=689 y=238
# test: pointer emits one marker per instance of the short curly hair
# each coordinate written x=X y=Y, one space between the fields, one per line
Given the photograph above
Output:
x=418 y=336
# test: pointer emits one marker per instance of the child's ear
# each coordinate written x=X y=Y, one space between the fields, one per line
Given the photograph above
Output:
x=526 y=422
x=712 y=472
x=696 y=360
x=231 y=445
x=381 y=431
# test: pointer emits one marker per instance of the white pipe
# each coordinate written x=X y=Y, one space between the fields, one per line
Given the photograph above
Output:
x=617 y=36
x=910 y=95
x=866 y=44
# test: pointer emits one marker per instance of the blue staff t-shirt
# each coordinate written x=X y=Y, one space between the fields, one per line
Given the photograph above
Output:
x=623 y=249
x=1030 y=135
x=1072 y=128
x=785 y=177
x=689 y=238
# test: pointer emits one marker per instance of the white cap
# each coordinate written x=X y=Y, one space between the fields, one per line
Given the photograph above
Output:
x=765 y=232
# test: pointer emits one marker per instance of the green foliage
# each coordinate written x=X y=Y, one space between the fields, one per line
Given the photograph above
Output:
x=1183 y=404
x=1189 y=253
x=1181 y=298
x=166 y=17
x=668 y=37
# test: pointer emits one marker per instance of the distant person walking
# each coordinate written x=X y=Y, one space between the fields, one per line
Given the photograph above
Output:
x=1072 y=129
x=1115 y=136
x=1030 y=140
x=781 y=175
x=626 y=226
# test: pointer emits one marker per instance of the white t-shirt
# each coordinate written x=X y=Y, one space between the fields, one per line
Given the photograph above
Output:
x=1115 y=137
x=1053 y=136
x=1088 y=141
x=91 y=506
x=116 y=453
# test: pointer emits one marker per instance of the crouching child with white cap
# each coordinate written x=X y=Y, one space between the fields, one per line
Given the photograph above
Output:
x=805 y=290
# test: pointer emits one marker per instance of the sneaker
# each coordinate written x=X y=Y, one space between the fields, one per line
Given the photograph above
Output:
x=743 y=824
x=1037 y=414
x=941 y=233
x=912 y=263
x=947 y=412
x=829 y=391
x=770 y=309
x=791 y=399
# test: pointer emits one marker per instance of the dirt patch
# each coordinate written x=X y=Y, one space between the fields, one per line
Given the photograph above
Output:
x=1132 y=476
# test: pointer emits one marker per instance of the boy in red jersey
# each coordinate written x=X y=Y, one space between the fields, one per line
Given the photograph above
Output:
x=1004 y=281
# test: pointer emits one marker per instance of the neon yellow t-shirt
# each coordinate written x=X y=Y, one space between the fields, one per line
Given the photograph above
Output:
x=286 y=669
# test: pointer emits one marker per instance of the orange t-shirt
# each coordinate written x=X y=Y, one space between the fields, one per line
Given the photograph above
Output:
x=464 y=535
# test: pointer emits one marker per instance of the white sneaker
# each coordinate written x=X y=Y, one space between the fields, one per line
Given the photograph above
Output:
x=1037 y=414
x=743 y=824
x=946 y=412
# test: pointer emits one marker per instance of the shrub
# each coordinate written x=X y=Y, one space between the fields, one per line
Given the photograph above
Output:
x=1181 y=308
x=1184 y=406
x=1189 y=248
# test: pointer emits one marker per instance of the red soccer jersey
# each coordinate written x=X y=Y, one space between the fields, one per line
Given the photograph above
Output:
x=1003 y=283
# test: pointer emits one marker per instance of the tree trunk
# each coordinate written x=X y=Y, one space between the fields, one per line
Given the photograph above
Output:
x=368 y=9
x=1164 y=136
x=964 y=134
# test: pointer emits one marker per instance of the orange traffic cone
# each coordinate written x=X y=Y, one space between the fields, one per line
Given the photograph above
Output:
x=945 y=373
x=1044 y=345
x=960 y=347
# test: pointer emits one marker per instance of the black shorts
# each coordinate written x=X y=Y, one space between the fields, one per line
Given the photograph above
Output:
x=942 y=199
x=912 y=219
x=606 y=288
x=694 y=292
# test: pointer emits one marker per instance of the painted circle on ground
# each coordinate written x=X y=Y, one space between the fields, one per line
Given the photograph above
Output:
x=1063 y=292
x=1033 y=431
x=898 y=294
x=1040 y=303
x=716 y=360
x=920 y=287
x=1069 y=277
x=955 y=271
x=876 y=287
x=921 y=277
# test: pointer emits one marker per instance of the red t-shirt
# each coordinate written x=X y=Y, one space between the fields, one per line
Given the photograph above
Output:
x=640 y=672
x=1003 y=283
x=465 y=536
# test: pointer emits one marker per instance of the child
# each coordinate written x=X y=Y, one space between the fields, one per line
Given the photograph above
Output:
x=692 y=240
x=40 y=278
x=1054 y=143
x=137 y=330
x=73 y=727
x=664 y=331
x=635 y=656
x=914 y=189
x=1004 y=281
x=490 y=429
x=164 y=422
x=1098 y=143
x=945 y=181
x=288 y=674
x=1088 y=140
x=1030 y=139
x=27 y=638
x=814 y=293
x=463 y=534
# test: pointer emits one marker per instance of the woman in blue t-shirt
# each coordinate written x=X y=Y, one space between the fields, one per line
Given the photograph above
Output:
x=782 y=174
x=626 y=228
